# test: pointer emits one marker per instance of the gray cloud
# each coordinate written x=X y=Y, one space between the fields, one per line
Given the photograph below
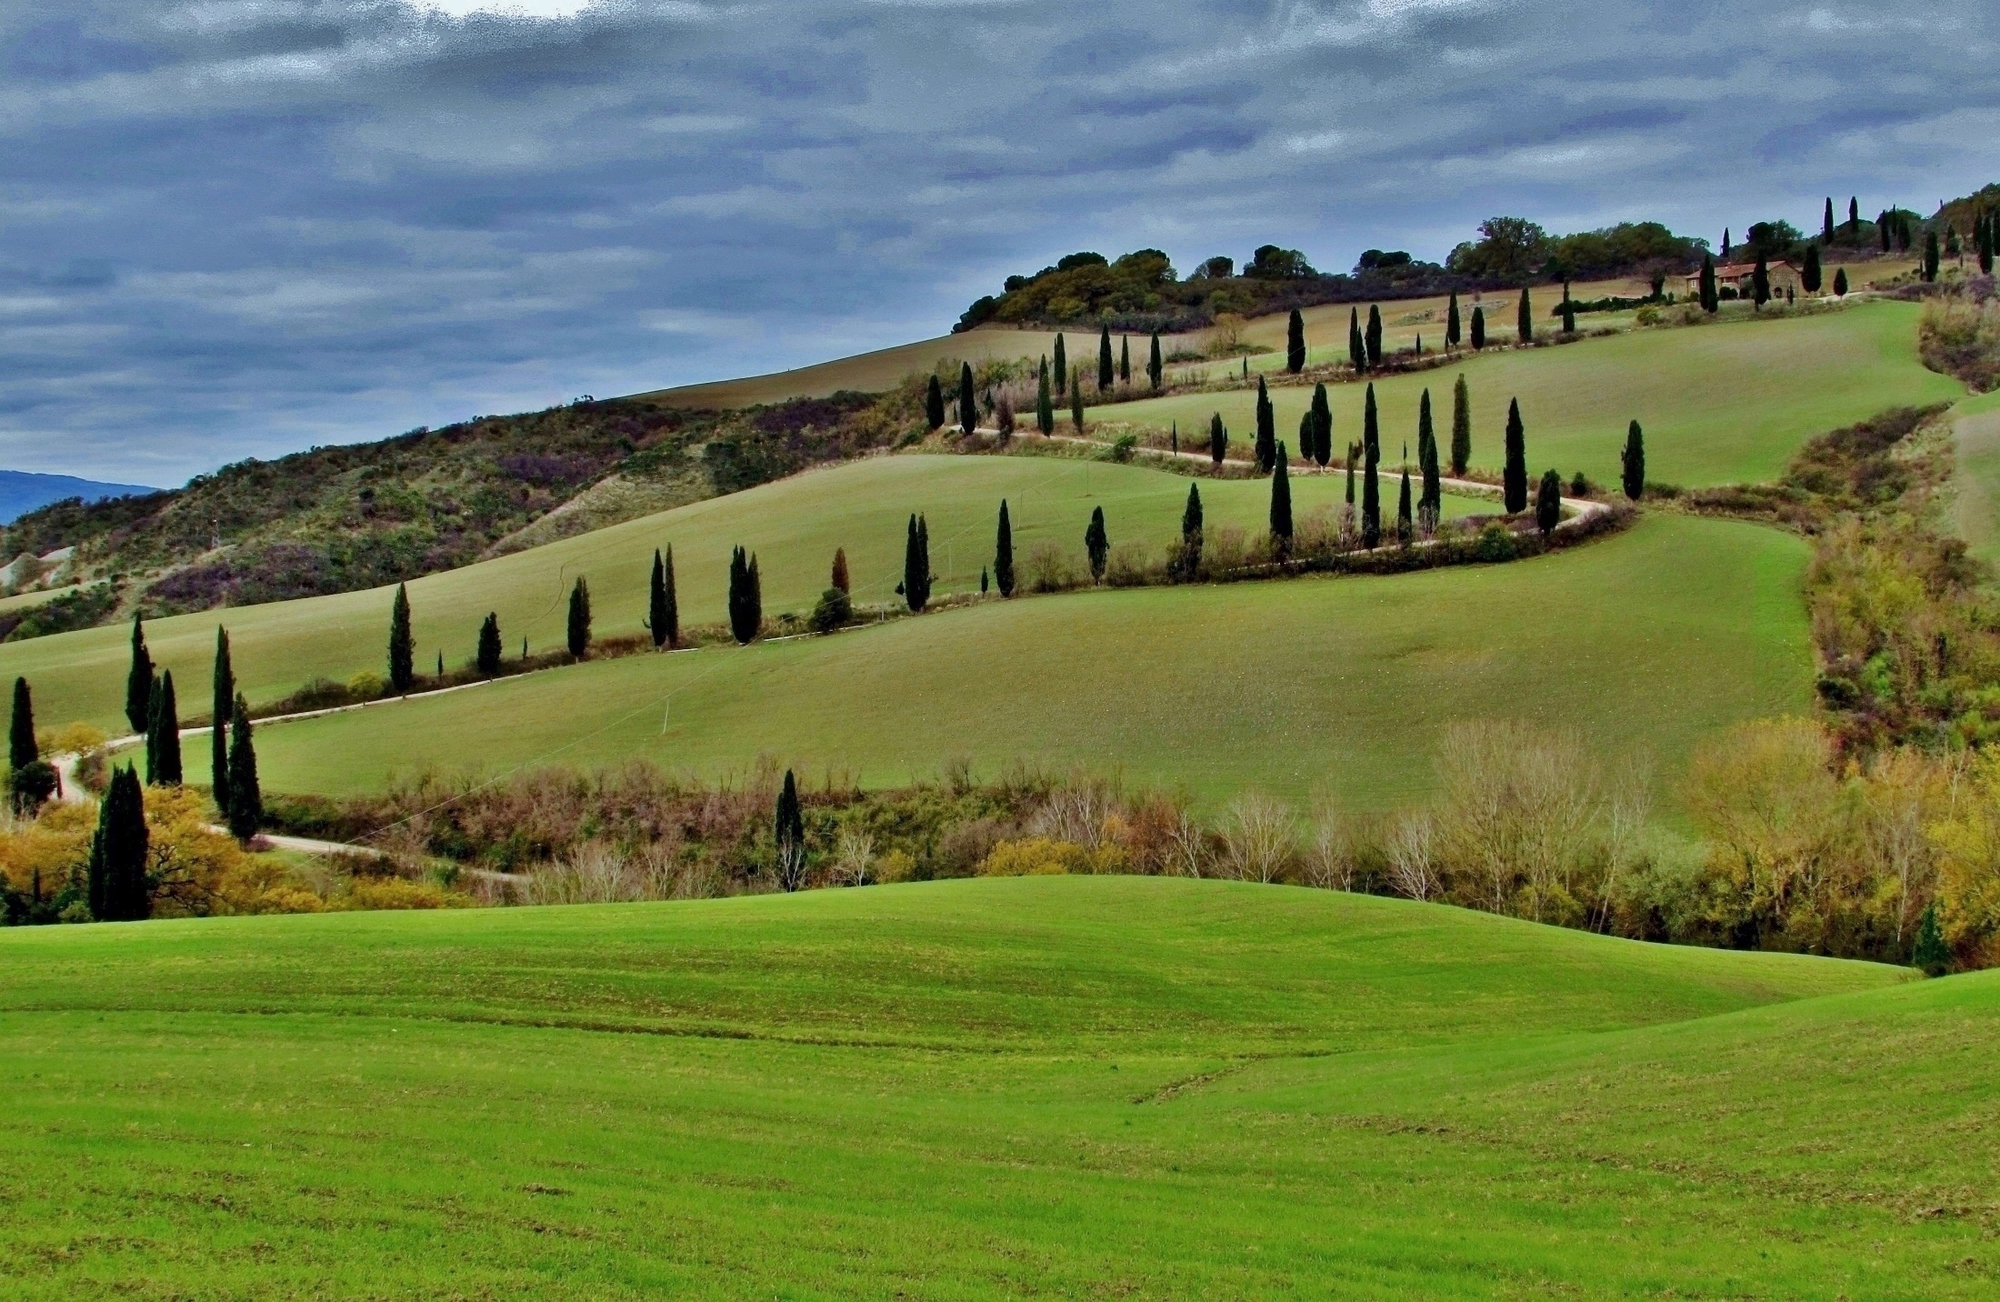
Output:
x=236 y=227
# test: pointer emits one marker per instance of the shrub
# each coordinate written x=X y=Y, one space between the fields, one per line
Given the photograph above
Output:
x=834 y=610
x=1049 y=569
x=1960 y=337
x=1042 y=856
x=1495 y=543
x=1131 y=565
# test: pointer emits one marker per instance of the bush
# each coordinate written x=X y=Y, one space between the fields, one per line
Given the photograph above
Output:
x=1131 y=565
x=1048 y=569
x=1496 y=542
x=835 y=609
x=1960 y=337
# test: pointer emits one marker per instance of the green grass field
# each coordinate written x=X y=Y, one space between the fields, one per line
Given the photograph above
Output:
x=1719 y=404
x=1976 y=477
x=1649 y=640
x=793 y=526
x=1035 y=1087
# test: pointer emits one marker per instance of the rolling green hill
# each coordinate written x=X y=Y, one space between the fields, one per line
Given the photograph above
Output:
x=1720 y=404
x=1654 y=637
x=981 y=1089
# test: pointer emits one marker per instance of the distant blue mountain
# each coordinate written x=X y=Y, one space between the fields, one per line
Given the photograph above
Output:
x=22 y=491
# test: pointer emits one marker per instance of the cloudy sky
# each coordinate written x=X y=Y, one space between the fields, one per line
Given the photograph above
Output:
x=234 y=228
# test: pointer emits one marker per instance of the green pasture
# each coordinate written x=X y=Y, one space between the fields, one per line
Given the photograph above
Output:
x=1036 y=1087
x=1976 y=476
x=875 y=371
x=1644 y=642
x=1723 y=403
x=793 y=526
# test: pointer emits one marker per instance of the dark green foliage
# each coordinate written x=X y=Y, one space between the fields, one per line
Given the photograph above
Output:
x=1711 y=300
x=1218 y=439
x=139 y=681
x=1357 y=347
x=1371 y=455
x=1281 y=505
x=1725 y=242
x=1321 y=447
x=1097 y=544
x=21 y=748
x=246 y=793
x=1156 y=367
x=968 y=400
x=163 y=735
x=1295 y=343
x=1930 y=954
x=402 y=644
x=746 y=597
x=487 y=658
x=1809 y=274
x=1760 y=281
x=1104 y=369
x=985 y=580
x=663 y=617
x=1882 y=226
x=117 y=875
x=578 y=627
x=1568 y=311
x=222 y=700
x=788 y=832
x=934 y=404
x=1185 y=564
x=1840 y=282
x=30 y=786
x=1461 y=426
x=1632 y=475
x=1406 y=528
x=1372 y=340
x=1987 y=234
x=834 y=609
x=1353 y=455
x=1431 y=504
x=917 y=564
x=1125 y=359
x=1308 y=436
x=1930 y=257
x=1478 y=327
x=1524 y=319
x=1451 y=327
x=1061 y=368
x=1003 y=553
x=1826 y=225
x=1548 y=502
x=838 y=577
x=1045 y=407
x=1267 y=429
x=1514 y=475
x=1076 y=400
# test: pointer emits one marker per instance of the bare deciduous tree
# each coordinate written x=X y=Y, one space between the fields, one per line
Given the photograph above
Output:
x=1412 y=861
x=1257 y=839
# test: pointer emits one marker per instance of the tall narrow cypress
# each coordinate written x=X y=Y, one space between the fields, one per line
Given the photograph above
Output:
x=1061 y=368
x=1989 y=234
x=1096 y=544
x=1125 y=359
x=21 y=748
x=1321 y=449
x=1427 y=453
x=1371 y=456
x=788 y=834
x=1711 y=301
x=1374 y=336
x=968 y=402
x=402 y=645
x=1478 y=328
x=1187 y=562
x=746 y=601
x=246 y=793
x=1633 y=462
x=1076 y=400
x=1357 y=348
x=1218 y=439
x=1003 y=553
x=1514 y=476
x=838 y=577
x=1295 y=343
x=1882 y=228
x=1281 y=507
x=1854 y=212
x=1156 y=367
x=1045 y=407
x=1451 y=330
x=118 y=887
x=1826 y=225
x=1809 y=276
x=163 y=738
x=1725 y=242
x=1461 y=426
x=139 y=681
x=1840 y=282
x=659 y=620
x=1267 y=429
x=1548 y=502
x=579 y=619
x=1568 y=311
x=488 y=656
x=1406 y=530
x=1930 y=257
x=1103 y=358
x=1760 y=281
x=1524 y=318
x=222 y=700
x=917 y=565
x=934 y=404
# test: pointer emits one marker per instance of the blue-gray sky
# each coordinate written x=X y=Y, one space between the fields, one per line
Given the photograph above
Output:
x=235 y=228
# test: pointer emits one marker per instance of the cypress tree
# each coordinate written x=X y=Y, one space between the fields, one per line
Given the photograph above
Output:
x=1308 y=436
x=968 y=401
x=1373 y=339
x=1156 y=367
x=1003 y=553
x=1854 y=212
x=1076 y=400
x=1809 y=275
x=1568 y=311
x=1931 y=954
x=221 y=701
x=1321 y=448
x=402 y=646
x=746 y=603
x=579 y=619
x=1295 y=343
x=917 y=565
x=1125 y=359
x=788 y=832
x=1062 y=368
x=1514 y=476
x=1882 y=228
x=1632 y=461
x=1281 y=507
x=1096 y=544
x=21 y=748
x=1187 y=562
x=1045 y=408
x=1524 y=318
x=673 y=602
x=139 y=682
x=934 y=405
x=839 y=578
x=1371 y=455
x=1461 y=426
x=1406 y=530
x=1357 y=348
x=1986 y=242
x=1548 y=502
x=656 y=601
x=1478 y=328
x=1760 y=281
x=1930 y=257
x=1711 y=301
x=1427 y=456
x=1840 y=282
x=1451 y=331
x=488 y=656
x=1725 y=242
x=1218 y=439
x=1267 y=429
x=1103 y=358
x=246 y=794
x=1826 y=226
x=985 y=583
x=163 y=742
x=118 y=887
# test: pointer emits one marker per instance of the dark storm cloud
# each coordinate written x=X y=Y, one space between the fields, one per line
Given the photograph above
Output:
x=236 y=227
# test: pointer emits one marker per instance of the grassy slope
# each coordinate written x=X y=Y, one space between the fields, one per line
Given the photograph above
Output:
x=866 y=372
x=794 y=526
x=1976 y=478
x=1343 y=685
x=1723 y=403
x=982 y=1089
